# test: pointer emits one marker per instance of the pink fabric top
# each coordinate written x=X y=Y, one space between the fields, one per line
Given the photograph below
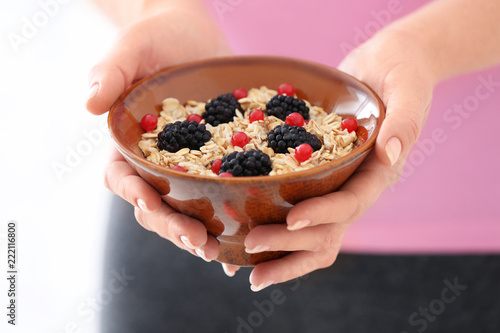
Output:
x=447 y=200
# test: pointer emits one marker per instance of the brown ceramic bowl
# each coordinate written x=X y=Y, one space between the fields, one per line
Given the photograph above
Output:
x=230 y=207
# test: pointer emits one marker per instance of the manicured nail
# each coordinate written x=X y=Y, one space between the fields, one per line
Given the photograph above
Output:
x=261 y=286
x=258 y=249
x=393 y=149
x=93 y=91
x=201 y=253
x=188 y=243
x=142 y=205
x=299 y=225
x=228 y=272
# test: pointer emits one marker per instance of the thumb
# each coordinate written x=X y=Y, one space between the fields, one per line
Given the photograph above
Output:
x=107 y=80
x=406 y=112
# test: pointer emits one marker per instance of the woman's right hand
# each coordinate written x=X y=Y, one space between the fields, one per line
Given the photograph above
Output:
x=155 y=215
x=178 y=33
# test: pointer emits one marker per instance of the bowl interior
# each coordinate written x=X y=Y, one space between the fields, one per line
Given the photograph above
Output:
x=320 y=85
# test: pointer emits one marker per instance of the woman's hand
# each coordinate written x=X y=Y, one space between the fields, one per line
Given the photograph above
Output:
x=172 y=36
x=397 y=68
x=176 y=34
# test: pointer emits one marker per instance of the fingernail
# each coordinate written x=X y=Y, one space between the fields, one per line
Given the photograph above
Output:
x=142 y=205
x=201 y=253
x=258 y=249
x=94 y=89
x=299 y=225
x=187 y=242
x=393 y=149
x=228 y=272
x=261 y=286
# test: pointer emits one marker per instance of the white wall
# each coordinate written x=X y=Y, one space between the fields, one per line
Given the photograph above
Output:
x=61 y=218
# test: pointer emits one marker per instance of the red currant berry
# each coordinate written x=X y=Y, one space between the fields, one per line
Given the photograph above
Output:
x=179 y=168
x=287 y=89
x=239 y=139
x=195 y=117
x=350 y=124
x=294 y=119
x=225 y=174
x=149 y=122
x=303 y=152
x=216 y=166
x=256 y=115
x=240 y=93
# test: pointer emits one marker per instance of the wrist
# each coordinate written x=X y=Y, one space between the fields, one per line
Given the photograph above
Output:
x=423 y=55
x=458 y=36
x=155 y=7
x=176 y=32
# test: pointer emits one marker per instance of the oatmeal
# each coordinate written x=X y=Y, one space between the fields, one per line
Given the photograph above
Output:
x=204 y=132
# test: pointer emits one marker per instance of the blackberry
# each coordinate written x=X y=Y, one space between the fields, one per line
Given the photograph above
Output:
x=283 y=137
x=281 y=106
x=252 y=162
x=221 y=109
x=185 y=134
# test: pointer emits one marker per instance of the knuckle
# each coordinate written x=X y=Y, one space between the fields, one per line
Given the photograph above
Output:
x=395 y=174
x=96 y=72
x=326 y=241
x=110 y=174
x=125 y=189
x=414 y=124
x=93 y=73
x=161 y=228
x=359 y=207
x=169 y=227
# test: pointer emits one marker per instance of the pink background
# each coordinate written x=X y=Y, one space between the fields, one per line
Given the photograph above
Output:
x=447 y=199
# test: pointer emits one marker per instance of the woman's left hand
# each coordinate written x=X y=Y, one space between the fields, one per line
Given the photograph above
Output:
x=315 y=227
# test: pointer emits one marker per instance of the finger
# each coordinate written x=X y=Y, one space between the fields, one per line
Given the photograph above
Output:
x=230 y=270
x=185 y=232
x=347 y=204
x=106 y=82
x=138 y=217
x=120 y=67
x=276 y=237
x=121 y=179
x=210 y=250
x=171 y=225
x=405 y=90
x=292 y=266
x=407 y=109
